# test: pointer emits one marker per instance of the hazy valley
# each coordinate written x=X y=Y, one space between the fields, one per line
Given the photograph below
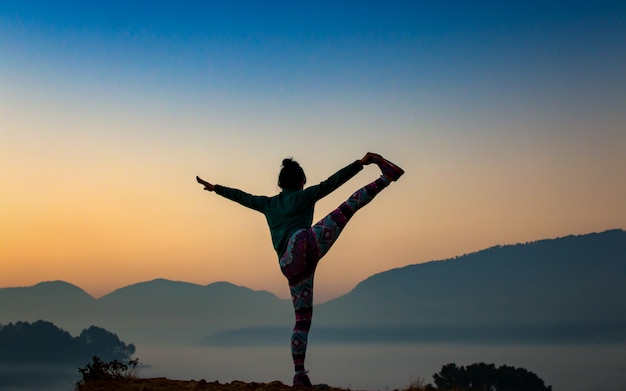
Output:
x=566 y=293
x=568 y=289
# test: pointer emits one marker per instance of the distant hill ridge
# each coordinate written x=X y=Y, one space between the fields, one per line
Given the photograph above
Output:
x=569 y=288
x=158 y=310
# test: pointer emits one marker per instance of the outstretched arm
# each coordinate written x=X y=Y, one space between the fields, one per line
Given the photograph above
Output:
x=207 y=185
x=324 y=188
x=253 y=202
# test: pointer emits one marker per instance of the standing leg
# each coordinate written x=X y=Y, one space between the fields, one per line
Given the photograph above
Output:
x=302 y=297
x=296 y=264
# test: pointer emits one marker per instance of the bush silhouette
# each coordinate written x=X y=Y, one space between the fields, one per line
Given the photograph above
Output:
x=99 y=370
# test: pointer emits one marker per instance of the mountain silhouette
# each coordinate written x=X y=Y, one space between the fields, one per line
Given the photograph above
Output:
x=183 y=312
x=568 y=289
x=571 y=287
x=153 y=311
x=55 y=301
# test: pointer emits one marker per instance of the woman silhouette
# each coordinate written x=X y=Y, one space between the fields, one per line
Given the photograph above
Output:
x=299 y=245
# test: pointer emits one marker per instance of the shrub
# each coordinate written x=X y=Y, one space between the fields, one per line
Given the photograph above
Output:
x=99 y=370
x=419 y=384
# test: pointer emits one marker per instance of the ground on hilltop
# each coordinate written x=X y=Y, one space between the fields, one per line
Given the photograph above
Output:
x=164 y=384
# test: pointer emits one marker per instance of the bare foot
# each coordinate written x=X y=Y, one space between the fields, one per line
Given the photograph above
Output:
x=390 y=170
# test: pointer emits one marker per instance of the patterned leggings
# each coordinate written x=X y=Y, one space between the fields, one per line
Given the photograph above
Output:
x=304 y=250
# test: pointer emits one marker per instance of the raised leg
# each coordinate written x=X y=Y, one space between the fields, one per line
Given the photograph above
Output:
x=327 y=230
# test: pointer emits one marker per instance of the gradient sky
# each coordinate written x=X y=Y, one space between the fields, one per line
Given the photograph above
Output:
x=508 y=117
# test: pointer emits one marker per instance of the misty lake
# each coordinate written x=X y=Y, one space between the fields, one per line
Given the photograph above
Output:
x=388 y=367
x=590 y=367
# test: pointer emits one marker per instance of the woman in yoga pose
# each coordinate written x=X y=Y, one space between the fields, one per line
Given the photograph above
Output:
x=299 y=245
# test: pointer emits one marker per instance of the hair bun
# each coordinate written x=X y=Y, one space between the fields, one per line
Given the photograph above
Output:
x=289 y=162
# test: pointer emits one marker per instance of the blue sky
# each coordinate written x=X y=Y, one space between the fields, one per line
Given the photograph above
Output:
x=507 y=116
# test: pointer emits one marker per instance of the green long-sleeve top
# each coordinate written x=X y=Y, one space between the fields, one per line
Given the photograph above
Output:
x=290 y=210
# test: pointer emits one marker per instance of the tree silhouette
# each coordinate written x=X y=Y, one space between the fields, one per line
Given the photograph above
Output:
x=43 y=342
x=486 y=377
x=96 y=339
x=450 y=377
